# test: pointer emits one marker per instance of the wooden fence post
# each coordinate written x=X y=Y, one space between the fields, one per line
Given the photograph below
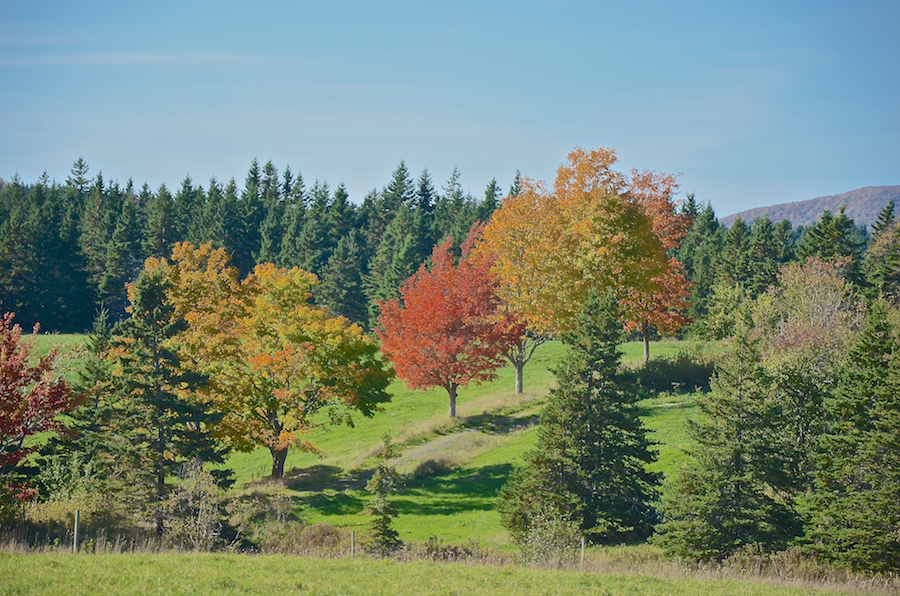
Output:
x=77 y=523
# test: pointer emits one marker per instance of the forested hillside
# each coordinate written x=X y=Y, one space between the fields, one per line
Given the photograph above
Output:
x=862 y=205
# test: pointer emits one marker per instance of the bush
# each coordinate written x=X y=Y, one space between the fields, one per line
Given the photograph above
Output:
x=193 y=512
x=432 y=467
x=550 y=540
x=686 y=372
x=297 y=538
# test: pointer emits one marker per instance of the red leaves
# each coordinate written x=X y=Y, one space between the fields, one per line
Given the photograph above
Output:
x=31 y=396
x=663 y=305
x=449 y=328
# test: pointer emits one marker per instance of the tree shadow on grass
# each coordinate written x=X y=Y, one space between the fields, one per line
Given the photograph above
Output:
x=472 y=490
x=331 y=503
x=498 y=425
x=312 y=478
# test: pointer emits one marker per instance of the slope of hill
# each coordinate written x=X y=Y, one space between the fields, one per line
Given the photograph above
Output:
x=862 y=205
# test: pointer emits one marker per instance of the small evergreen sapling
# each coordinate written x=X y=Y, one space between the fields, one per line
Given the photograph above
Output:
x=383 y=538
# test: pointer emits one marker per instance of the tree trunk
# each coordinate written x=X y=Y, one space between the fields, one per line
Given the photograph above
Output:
x=520 y=366
x=278 y=457
x=645 y=330
x=452 y=391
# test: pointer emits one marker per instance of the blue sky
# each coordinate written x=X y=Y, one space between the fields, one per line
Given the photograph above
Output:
x=752 y=103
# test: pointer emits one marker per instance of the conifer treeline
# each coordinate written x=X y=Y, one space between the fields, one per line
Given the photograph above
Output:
x=67 y=250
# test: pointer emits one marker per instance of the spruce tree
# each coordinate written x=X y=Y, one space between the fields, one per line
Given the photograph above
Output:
x=383 y=538
x=341 y=286
x=590 y=462
x=159 y=426
x=763 y=249
x=856 y=504
x=884 y=220
x=159 y=234
x=724 y=499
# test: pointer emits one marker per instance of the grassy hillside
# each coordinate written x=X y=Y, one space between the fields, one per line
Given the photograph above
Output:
x=452 y=470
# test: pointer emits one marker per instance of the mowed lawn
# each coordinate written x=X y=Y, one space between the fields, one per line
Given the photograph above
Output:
x=273 y=575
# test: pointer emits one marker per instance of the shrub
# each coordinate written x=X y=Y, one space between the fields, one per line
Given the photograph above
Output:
x=685 y=372
x=193 y=512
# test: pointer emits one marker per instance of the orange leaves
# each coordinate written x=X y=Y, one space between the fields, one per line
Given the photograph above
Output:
x=663 y=303
x=448 y=329
x=549 y=251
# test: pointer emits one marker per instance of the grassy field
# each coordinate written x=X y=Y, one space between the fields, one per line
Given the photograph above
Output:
x=452 y=470
x=223 y=574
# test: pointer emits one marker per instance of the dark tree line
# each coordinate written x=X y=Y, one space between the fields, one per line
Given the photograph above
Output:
x=67 y=250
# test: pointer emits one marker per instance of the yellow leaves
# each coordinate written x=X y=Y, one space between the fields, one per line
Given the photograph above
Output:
x=550 y=251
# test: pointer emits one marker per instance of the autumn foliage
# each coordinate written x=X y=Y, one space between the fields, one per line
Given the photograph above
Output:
x=550 y=250
x=448 y=328
x=272 y=358
x=32 y=396
x=663 y=304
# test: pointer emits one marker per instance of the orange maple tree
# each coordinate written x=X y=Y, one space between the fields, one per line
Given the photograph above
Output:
x=663 y=303
x=551 y=249
x=447 y=329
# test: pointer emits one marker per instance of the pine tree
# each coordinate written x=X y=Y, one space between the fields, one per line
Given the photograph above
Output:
x=763 y=256
x=723 y=500
x=161 y=428
x=589 y=465
x=341 y=287
x=516 y=187
x=884 y=220
x=250 y=214
x=272 y=227
x=491 y=202
x=383 y=538
x=92 y=437
x=341 y=215
x=700 y=253
x=123 y=261
x=159 y=235
x=833 y=237
x=314 y=243
x=78 y=180
x=734 y=266
x=856 y=503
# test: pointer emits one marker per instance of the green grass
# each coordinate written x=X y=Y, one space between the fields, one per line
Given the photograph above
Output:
x=223 y=574
x=474 y=455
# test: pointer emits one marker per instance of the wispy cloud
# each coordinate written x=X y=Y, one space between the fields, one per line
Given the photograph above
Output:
x=137 y=59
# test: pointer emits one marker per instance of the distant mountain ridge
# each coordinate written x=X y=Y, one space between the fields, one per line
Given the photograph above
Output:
x=862 y=205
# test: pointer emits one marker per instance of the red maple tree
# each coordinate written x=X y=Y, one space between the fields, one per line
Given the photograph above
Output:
x=447 y=329
x=32 y=395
